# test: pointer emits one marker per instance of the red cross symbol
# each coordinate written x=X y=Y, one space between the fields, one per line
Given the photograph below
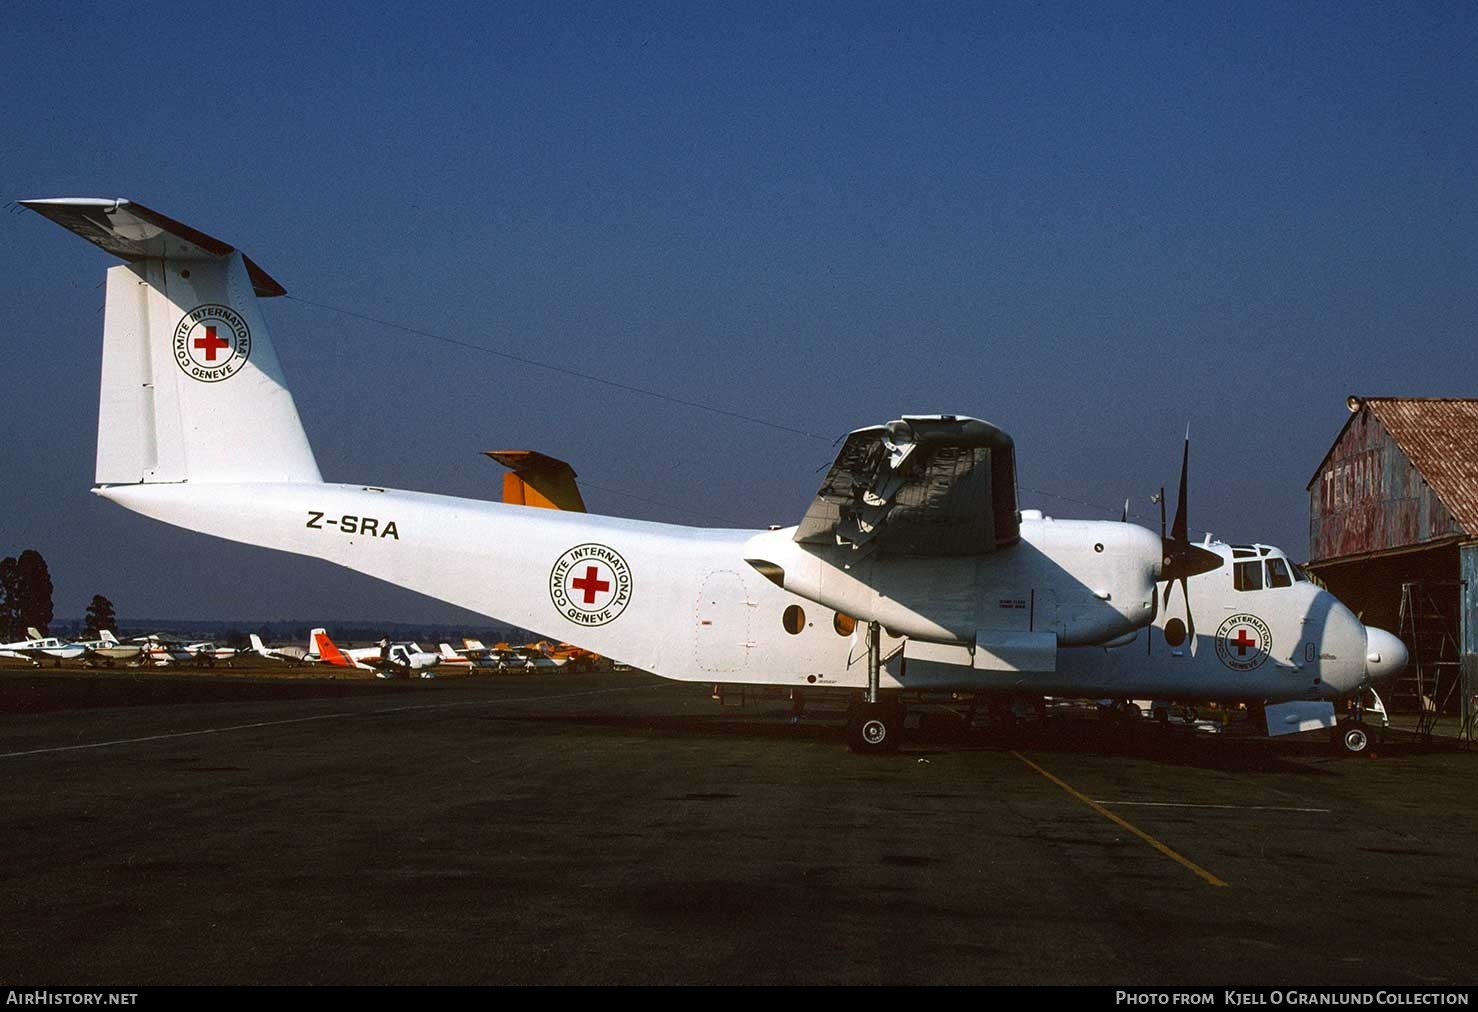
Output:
x=211 y=344
x=590 y=584
x=1243 y=641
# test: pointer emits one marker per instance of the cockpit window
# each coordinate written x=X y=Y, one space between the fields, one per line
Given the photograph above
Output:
x=1243 y=552
x=1247 y=575
x=1278 y=574
x=1299 y=576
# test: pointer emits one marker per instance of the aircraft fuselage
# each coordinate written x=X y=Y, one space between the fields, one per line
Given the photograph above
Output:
x=689 y=604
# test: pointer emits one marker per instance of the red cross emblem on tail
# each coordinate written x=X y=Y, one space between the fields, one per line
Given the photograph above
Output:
x=211 y=343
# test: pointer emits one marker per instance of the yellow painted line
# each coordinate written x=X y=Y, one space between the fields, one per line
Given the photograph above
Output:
x=1179 y=859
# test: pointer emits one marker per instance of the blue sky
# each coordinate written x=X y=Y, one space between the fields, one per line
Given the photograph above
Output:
x=1089 y=224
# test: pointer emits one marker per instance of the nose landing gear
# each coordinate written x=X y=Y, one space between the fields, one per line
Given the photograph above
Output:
x=1351 y=738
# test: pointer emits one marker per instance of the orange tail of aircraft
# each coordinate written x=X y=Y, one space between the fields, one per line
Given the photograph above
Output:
x=536 y=479
x=327 y=652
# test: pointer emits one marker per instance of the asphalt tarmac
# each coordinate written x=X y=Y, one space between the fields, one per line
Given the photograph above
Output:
x=616 y=828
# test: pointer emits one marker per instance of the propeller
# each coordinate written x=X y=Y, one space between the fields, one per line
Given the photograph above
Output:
x=1181 y=560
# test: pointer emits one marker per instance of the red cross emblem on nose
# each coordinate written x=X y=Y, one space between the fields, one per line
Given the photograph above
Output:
x=1243 y=642
x=590 y=584
x=211 y=344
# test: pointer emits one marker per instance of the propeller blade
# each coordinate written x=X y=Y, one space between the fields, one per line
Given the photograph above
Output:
x=1179 y=530
x=1181 y=559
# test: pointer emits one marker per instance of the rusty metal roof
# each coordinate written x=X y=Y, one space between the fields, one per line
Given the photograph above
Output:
x=1439 y=435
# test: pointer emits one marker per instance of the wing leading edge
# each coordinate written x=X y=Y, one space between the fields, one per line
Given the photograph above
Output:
x=922 y=485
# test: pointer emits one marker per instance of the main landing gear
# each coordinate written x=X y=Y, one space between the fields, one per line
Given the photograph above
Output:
x=875 y=726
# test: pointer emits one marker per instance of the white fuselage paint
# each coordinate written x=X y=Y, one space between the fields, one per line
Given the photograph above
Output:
x=696 y=610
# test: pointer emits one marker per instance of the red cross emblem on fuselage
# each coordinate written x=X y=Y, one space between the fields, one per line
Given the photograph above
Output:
x=210 y=343
x=590 y=584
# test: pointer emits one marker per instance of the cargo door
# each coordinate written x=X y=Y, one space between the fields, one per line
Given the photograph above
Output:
x=722 y=623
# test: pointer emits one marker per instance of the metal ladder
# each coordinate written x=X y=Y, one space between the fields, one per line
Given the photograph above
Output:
x=1434 y=672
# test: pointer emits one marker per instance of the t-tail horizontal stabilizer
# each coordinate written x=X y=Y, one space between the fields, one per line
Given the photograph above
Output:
x=192 y=389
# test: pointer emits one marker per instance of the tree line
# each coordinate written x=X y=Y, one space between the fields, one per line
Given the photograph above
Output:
x=25 y=599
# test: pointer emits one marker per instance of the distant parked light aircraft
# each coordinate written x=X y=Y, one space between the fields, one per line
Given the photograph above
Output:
x=107 y=651
x=387 y=660
x=38 y=648
x=210 y=653
x=287 y=654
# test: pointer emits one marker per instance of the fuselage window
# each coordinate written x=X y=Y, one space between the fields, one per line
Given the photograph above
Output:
x=1247 y=575
x=1278 y=574
x=794 y=619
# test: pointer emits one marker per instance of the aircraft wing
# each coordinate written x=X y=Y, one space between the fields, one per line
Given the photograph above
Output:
x=118 y=652
x=933 y=485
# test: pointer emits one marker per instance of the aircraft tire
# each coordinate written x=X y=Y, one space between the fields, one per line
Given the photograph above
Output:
x=875 y=728
x=1353 y=738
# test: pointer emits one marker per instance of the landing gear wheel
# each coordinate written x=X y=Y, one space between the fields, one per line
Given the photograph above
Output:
x=1352 y=739
x=875 y=727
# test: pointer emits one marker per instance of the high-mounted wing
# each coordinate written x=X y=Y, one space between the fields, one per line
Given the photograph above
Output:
x=922 y=485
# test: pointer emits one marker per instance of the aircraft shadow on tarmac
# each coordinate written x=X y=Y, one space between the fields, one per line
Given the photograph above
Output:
x=1234 y=753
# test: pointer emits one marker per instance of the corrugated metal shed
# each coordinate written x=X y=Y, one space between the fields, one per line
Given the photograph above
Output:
x=1402 y=473
x=1393 y=533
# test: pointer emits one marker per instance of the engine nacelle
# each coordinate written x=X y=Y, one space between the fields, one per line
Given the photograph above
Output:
x=1085 y=582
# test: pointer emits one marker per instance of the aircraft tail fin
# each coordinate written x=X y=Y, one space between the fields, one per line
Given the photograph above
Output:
x=448 y=653
x=535 y=479
x=327 y=652
x=473 y=644
x=192 y=389
x=258 y=646
x=33 y=633
x=106 y=635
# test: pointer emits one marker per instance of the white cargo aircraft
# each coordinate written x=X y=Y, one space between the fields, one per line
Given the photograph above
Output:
x=911 y=570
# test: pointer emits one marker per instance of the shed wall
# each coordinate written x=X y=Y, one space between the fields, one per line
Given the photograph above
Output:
x=1368 y=497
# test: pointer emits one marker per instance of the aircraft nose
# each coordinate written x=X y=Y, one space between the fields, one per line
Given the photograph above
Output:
x=1384 y=654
